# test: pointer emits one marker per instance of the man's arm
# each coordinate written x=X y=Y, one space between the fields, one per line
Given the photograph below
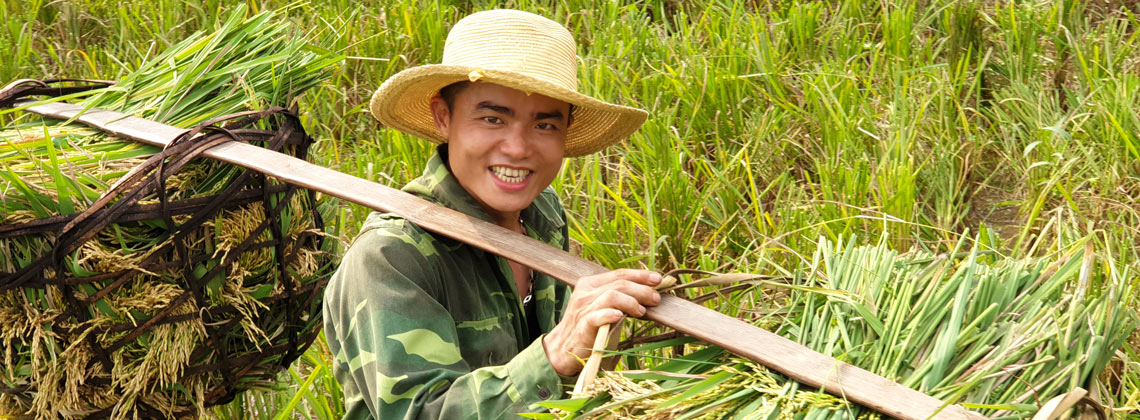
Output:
x=395 y=346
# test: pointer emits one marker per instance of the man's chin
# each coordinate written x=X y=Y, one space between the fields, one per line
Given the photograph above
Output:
x=510 y=207
x=503 y=203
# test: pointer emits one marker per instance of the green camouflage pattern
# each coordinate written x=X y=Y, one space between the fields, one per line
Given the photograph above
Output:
x=424 y=327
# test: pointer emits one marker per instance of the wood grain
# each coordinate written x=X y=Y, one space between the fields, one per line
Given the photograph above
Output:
x=785 y=356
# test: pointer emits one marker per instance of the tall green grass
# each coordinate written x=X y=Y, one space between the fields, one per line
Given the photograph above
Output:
x=773 y=123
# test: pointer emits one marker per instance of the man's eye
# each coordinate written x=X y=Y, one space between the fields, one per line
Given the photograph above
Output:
x=492 y=120
x=547 y=126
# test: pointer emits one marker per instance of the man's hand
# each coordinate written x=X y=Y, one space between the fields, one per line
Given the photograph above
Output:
x=597 y=300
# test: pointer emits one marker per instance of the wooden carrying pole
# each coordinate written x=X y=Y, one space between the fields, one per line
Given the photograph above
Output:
x=783 y=355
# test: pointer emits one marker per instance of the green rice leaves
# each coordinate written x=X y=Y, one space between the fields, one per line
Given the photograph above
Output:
x=997 y=335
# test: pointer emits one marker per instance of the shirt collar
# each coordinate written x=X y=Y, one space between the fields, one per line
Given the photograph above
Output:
x=439 y=186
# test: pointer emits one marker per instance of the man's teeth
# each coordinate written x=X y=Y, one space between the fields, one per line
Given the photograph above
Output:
x=511 y=175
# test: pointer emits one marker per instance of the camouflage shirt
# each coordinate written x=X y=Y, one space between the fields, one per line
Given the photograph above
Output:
x=423 y=326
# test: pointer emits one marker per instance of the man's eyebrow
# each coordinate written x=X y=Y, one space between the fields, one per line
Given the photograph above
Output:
x=547 y=115
x=495 y=107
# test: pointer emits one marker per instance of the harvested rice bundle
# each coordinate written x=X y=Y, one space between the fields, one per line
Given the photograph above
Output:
x=997 y=335
x=205 y=284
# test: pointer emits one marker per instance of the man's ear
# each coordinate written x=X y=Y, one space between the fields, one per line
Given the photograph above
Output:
x=440 y=115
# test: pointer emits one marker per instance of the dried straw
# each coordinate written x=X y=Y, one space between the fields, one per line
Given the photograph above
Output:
x=242 y=330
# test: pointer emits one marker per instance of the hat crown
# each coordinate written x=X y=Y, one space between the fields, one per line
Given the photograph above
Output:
x=514 y=41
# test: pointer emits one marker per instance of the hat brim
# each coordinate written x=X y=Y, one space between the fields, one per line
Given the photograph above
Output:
x=403 y=102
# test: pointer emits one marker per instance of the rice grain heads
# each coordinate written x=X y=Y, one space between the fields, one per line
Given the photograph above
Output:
x=170 y=309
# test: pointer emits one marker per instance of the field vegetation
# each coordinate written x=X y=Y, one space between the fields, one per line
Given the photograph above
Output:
x=777 y=129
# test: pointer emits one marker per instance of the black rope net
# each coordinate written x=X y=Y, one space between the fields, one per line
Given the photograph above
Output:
x=225 y=298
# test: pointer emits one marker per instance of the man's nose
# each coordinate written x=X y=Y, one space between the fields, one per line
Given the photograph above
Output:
x=515 y=143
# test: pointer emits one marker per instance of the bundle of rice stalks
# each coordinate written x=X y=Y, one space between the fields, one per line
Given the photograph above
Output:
x=206 y=286
x=997 y=335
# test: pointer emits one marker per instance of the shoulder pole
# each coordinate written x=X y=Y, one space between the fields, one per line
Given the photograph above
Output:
x=783 y=355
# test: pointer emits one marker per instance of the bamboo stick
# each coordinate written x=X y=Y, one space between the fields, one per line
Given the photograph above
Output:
x=590 y=370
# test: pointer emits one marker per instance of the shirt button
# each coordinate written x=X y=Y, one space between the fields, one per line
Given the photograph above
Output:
x=543 y=393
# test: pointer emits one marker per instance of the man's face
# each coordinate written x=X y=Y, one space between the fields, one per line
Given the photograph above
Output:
x=504 y=146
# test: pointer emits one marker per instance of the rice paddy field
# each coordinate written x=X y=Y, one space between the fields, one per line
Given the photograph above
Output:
x=946 y=193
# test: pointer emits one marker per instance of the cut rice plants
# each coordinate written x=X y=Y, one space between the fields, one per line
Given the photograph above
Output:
x=166 y=310
x=996 y=335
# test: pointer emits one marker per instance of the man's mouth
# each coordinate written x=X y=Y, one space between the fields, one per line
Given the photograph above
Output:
x=510 y=175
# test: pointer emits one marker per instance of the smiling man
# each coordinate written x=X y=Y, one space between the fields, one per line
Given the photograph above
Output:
x=423 y=326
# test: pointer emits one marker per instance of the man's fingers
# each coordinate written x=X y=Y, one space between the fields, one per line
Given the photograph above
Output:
x=620 y=301
x=636 y=283
x=646 y=277
x=653 y=279
x=602 y=317
x=645 y=295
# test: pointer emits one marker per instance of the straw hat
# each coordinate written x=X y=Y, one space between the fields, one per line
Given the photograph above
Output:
x=511 y=48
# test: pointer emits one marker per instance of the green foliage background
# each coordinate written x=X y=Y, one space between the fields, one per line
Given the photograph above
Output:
x=773 y=123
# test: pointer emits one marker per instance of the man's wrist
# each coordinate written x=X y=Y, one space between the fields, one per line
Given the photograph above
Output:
x=563 y=363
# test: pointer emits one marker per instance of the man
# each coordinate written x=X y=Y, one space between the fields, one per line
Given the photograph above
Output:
x=423 y=326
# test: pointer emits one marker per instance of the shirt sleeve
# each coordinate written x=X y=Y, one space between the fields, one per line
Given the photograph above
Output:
x=395 y=347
